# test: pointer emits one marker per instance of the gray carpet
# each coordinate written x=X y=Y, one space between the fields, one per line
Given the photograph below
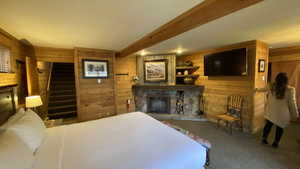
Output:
x=244 y=151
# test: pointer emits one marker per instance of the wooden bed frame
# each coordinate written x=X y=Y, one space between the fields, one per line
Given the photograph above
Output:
x=7 y=103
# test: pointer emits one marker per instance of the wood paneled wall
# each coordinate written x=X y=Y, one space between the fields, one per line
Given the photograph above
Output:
x=259 y=97
x=285 y=54
x=47 y=54
x=17 y=52
x=7 y=79
x=94 y=100
x=217 y=89
x=32 y=76
x=125 y=71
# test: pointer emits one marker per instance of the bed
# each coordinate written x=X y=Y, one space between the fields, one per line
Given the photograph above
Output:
x=129 y=141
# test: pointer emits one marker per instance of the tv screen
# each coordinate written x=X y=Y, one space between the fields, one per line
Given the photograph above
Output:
x=228 y=63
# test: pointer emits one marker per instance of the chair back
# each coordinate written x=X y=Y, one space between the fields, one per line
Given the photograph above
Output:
x=234 y=105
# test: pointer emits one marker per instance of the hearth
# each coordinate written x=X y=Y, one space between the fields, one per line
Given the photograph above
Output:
x=158 y=104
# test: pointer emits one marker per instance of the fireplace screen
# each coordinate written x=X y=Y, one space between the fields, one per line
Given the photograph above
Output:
x=158 y=104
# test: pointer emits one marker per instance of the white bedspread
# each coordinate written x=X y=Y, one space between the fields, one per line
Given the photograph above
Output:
x=129 y=141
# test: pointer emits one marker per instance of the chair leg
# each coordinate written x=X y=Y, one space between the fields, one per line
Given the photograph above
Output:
x=241 y=126
x=207 y=158
x=231 y=128
x=218 y=121
x=227 y=125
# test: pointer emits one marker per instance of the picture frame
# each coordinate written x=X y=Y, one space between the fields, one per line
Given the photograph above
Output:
x=95 y=68
x=156 y=71
x=5 y=59
x=261 y=65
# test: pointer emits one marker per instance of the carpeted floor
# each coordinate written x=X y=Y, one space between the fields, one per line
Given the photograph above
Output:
x=244 y=151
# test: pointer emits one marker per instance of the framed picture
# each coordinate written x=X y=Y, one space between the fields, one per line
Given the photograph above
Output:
x=156 y=71
x=95 y=68
x=5 y=62
x=261 y=65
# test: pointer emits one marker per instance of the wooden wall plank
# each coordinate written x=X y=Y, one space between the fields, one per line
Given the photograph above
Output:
x=285 y=58
x=125 y=65
x=47 y=54
x=94 y=100
x=285 y=54
x=8 y=79
x=32 y=76
x=285 y=51
x=17 y=52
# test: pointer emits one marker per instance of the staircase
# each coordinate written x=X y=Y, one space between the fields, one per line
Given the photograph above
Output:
x=62 y=98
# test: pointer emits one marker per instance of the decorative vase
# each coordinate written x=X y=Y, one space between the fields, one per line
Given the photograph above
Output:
x=179 y=73
x=188 y=80
x=186 y=72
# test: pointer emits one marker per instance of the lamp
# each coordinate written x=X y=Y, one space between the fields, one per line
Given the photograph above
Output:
x=33 y=101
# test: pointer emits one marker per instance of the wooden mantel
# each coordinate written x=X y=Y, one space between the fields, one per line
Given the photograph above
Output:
x=169 y=87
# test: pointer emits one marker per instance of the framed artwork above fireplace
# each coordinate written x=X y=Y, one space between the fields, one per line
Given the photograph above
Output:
x=156 y=70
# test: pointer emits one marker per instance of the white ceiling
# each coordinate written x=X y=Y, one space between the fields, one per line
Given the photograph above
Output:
x=115 y=24
x=276 y=22
x=106 y=24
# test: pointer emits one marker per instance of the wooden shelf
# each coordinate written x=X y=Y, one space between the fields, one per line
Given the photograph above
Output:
x=182 y=76
x=187 y=67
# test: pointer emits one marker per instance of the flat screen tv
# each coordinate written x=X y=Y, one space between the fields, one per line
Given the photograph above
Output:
x=228 y=63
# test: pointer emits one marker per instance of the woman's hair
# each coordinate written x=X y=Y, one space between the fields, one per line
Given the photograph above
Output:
x=280 y=85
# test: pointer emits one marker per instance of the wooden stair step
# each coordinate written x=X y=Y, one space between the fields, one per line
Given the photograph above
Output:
x=62 y=86
x=69 y=95
x=62 y=113
x=62 y=91
x=61 y=97
x=59 y=102
x=63 y=82
x=61 y=107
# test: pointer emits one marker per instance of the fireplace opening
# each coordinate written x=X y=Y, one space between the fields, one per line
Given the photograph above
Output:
x=158 y=104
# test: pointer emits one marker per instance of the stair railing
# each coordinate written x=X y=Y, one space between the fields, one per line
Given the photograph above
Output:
x=48 y=87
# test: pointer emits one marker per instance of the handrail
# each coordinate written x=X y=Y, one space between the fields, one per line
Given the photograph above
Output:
x=49 y=77
x=48 y=88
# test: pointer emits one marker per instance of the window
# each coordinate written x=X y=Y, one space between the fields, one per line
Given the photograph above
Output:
x=4 y=60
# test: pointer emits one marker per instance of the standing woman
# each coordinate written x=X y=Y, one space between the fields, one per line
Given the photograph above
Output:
x=281 y=108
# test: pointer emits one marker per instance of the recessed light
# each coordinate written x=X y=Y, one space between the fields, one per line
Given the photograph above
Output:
x=179 y=51
x=143 y=53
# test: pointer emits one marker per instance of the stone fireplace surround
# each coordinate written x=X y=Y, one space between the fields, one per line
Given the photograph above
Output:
x=190 y=100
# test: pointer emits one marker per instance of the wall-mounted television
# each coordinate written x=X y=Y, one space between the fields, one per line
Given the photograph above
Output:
x=228 y=63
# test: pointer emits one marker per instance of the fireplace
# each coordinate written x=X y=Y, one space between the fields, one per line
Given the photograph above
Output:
x=178 y=100
x=158 y=104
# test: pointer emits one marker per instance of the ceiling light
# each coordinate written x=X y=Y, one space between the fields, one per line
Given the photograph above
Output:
x=179 y=51
x=143 y=53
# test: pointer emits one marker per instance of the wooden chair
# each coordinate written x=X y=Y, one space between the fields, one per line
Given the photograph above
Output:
x=233 y=114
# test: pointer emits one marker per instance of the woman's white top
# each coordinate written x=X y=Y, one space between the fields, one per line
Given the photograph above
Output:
x=281 y=111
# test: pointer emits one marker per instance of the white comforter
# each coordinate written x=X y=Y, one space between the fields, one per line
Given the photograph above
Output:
x=129 y=141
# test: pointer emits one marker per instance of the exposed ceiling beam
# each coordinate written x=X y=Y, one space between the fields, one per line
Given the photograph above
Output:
x=203 y=13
